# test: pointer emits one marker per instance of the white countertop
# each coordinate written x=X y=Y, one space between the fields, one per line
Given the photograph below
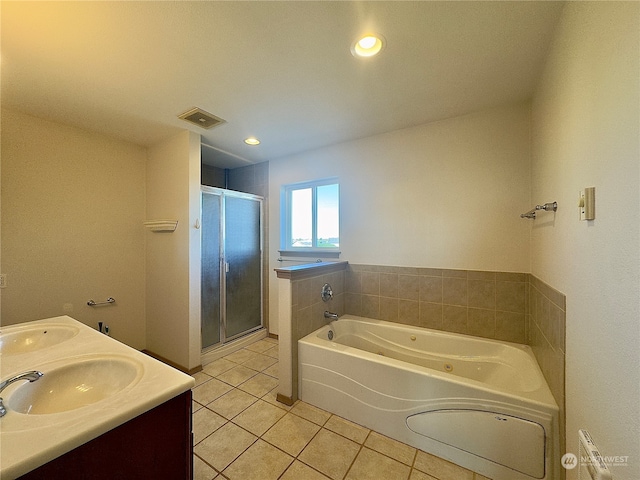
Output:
x=28 y=441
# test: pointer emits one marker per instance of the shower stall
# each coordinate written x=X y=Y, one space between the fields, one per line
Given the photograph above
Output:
x=231 y=230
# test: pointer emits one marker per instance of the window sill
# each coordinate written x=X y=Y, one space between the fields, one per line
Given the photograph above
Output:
x=311 y=252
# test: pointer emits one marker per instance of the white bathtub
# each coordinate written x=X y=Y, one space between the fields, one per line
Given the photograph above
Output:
x=482 y=404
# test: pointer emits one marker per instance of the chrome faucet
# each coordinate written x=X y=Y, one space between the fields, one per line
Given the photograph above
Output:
x=32 y=376
x=330 y=315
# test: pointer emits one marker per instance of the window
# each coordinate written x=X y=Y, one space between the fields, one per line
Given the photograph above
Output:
x=311 y=216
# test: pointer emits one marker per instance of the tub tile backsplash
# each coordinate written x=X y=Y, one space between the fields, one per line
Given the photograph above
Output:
x=430 y=289
x=546 y=320
x=455 y=291
x=481 y=303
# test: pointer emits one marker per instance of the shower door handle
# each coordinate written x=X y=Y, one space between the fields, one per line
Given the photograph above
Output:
x=226 y=267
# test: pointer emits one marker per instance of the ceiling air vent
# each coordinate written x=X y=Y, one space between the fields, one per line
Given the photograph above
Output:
x=202 y=119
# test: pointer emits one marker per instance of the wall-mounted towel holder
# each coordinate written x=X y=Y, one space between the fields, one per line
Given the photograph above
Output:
x=547 y=207
x=93 y=303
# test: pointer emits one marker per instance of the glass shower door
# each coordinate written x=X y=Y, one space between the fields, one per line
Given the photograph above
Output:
x=231 y=292
x=211 y=263
x=243 y=265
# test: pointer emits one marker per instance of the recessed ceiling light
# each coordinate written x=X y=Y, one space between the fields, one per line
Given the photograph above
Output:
x=252 y=141
x=368 y=45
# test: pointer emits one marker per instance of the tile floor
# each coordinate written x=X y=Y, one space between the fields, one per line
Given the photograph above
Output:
x=242 y=432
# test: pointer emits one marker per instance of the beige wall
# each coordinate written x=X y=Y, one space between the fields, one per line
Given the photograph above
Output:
x=173 y=259
x=73 y=203
x=586 y=133
x=442 y=195
x=73 y=207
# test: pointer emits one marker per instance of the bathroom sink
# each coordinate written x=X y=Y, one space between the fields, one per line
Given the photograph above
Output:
x=74 y=385
x=22 y=340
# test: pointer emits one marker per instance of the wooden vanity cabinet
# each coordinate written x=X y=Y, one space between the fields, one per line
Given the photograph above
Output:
x=155 y=445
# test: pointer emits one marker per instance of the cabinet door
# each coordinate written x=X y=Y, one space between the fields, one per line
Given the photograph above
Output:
x=157 y=444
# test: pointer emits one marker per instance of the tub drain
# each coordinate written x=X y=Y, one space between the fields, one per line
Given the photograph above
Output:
x=330 y=334
x=448 y=367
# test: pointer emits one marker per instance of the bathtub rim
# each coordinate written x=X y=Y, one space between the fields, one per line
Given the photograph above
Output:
x=541 y=397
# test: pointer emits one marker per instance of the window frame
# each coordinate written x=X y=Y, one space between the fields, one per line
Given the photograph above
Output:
x=286 y=246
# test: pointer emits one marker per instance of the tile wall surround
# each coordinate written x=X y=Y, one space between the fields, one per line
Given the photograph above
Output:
x=212 y=176
x=546 y=320
x=484 y=304
x=307 y=309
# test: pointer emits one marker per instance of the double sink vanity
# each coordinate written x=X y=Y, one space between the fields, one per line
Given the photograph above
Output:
x=100 y=409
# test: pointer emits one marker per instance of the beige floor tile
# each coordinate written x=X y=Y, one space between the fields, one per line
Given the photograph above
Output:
x=330 y=454
x=209 y=391
x=272 y=352
x=272 y=340
x=240 y=356
x=291 y=434
x=273 y=370
x=259 y=362
x=418 y=475
x=311 y=413
x=259 y=417
x=202 y=471
x=260 y=461
x=370 y=465
x=300 y=471
x=231 y=404
x=201 y=377
x=260 y=346
x=259 y=385
x=217 y=367
x=195 y=406
x=237 y=375
x=347 y=429
x=390 y=447
x=205 y=422
x=440 y=468
x=224 y=445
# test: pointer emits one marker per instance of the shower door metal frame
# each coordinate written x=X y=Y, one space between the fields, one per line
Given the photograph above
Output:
x=223 y=193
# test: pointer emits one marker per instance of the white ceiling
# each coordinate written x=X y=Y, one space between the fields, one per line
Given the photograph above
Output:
x=281 y=71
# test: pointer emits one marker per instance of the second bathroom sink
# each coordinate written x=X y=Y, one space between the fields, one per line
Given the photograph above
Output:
x=17 y=340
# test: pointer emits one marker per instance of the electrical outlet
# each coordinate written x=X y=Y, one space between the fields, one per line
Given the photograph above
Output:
x=3 y=280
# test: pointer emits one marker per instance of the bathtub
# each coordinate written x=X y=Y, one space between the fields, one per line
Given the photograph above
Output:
x=482 y=404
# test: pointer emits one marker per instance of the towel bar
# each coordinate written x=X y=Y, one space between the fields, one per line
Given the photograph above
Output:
x=552 y=206
x=92 y=303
